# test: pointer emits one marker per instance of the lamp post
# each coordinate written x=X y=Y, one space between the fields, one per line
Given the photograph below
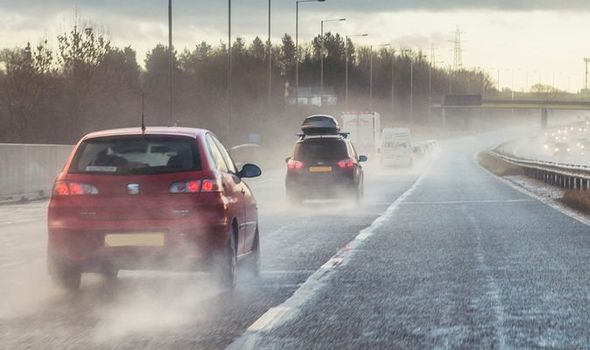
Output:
x=405 y=53
x=431 y=66
x=322 y=49
x=346 y=69
x=371 y=76
x=170 y=65
x=393 y=85
x=229 y=69
x=412 y=88
x=297 y=46
x=269 y=56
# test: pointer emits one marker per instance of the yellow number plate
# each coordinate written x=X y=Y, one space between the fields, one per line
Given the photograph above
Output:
x=134 y=240
x=320 y=169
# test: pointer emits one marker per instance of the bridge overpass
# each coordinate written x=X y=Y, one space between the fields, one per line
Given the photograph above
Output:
x=476 y=102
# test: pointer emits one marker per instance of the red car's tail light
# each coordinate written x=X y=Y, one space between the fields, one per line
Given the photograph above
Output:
x=186 y=187
x=194 y=186
x=209 y=185
x=63 y=188
x=294 y=164
x=347 y=163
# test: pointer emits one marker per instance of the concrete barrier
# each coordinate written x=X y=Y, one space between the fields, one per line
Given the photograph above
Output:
x=28 y=171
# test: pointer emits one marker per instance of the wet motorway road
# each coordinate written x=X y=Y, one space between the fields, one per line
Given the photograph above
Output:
x=154 y=310
x=448 y=256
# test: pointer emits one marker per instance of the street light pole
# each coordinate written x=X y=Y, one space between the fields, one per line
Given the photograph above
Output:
x=297 y=53
x=412 y=89
x=346 y=53
x=371 y=81
x=229 y=69
x=371 y=77
x=170 y=66
x=322 y=64
x=269 y=55
x=297 y=47
x=322 y=49
x=392 y=85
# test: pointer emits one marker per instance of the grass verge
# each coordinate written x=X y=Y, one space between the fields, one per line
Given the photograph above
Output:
x=497 y=166
x=578 y=200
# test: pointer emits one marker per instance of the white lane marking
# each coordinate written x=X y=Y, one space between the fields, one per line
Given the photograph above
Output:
x=281 y=286
x=269 y=318
x=490 y=283
x=480 y=201
x=291 y=307
x=285 y=272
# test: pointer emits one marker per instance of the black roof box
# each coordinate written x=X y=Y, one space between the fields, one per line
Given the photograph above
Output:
x=320 y=125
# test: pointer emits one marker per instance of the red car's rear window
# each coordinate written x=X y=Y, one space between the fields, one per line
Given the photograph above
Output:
x=136 y=155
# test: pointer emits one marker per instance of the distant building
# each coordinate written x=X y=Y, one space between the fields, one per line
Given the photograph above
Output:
x=311 y=96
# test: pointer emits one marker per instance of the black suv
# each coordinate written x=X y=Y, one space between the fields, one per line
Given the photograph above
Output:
x=324 y=166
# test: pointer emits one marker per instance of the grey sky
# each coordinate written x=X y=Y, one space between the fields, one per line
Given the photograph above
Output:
x=539 y=40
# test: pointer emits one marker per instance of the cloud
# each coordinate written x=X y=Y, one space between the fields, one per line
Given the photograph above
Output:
x=156 y=8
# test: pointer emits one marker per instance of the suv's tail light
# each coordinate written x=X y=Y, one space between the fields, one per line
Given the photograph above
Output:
x=194 y=186
x=64 y=188
x=294 y=164
x=347 y=163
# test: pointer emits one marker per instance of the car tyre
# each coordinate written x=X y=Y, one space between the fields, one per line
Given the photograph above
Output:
x=110 y=274
x=225 y=268
x=67 y=277
x=253 y=262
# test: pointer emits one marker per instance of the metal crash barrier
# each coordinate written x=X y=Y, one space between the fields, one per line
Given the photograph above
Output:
x=564 y=175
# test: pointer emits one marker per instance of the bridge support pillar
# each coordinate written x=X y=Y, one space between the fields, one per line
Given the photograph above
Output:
x=544 y=118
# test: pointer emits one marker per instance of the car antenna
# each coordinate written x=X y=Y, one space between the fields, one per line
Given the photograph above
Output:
x=142 y=112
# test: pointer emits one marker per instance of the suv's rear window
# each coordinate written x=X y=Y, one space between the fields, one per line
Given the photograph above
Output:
x=321 y=150
x=136 y=155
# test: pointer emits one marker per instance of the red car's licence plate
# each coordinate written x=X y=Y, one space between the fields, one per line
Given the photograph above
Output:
x=151 y=239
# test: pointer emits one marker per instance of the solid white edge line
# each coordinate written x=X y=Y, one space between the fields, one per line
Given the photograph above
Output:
x=290 y=308
x=547 y=201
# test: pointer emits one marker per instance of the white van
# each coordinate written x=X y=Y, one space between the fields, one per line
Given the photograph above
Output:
x=396 y=147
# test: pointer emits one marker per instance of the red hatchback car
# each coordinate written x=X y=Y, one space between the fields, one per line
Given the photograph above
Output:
x=165 y=198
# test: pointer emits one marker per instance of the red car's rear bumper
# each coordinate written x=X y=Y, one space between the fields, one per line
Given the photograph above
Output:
x=189 y=243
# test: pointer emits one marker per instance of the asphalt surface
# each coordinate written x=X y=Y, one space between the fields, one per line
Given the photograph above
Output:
x=460 y=261
x=464 y=262
x=155 y=310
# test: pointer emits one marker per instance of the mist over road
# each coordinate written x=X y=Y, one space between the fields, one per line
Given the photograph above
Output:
x=175 y=310
x=464 y=261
